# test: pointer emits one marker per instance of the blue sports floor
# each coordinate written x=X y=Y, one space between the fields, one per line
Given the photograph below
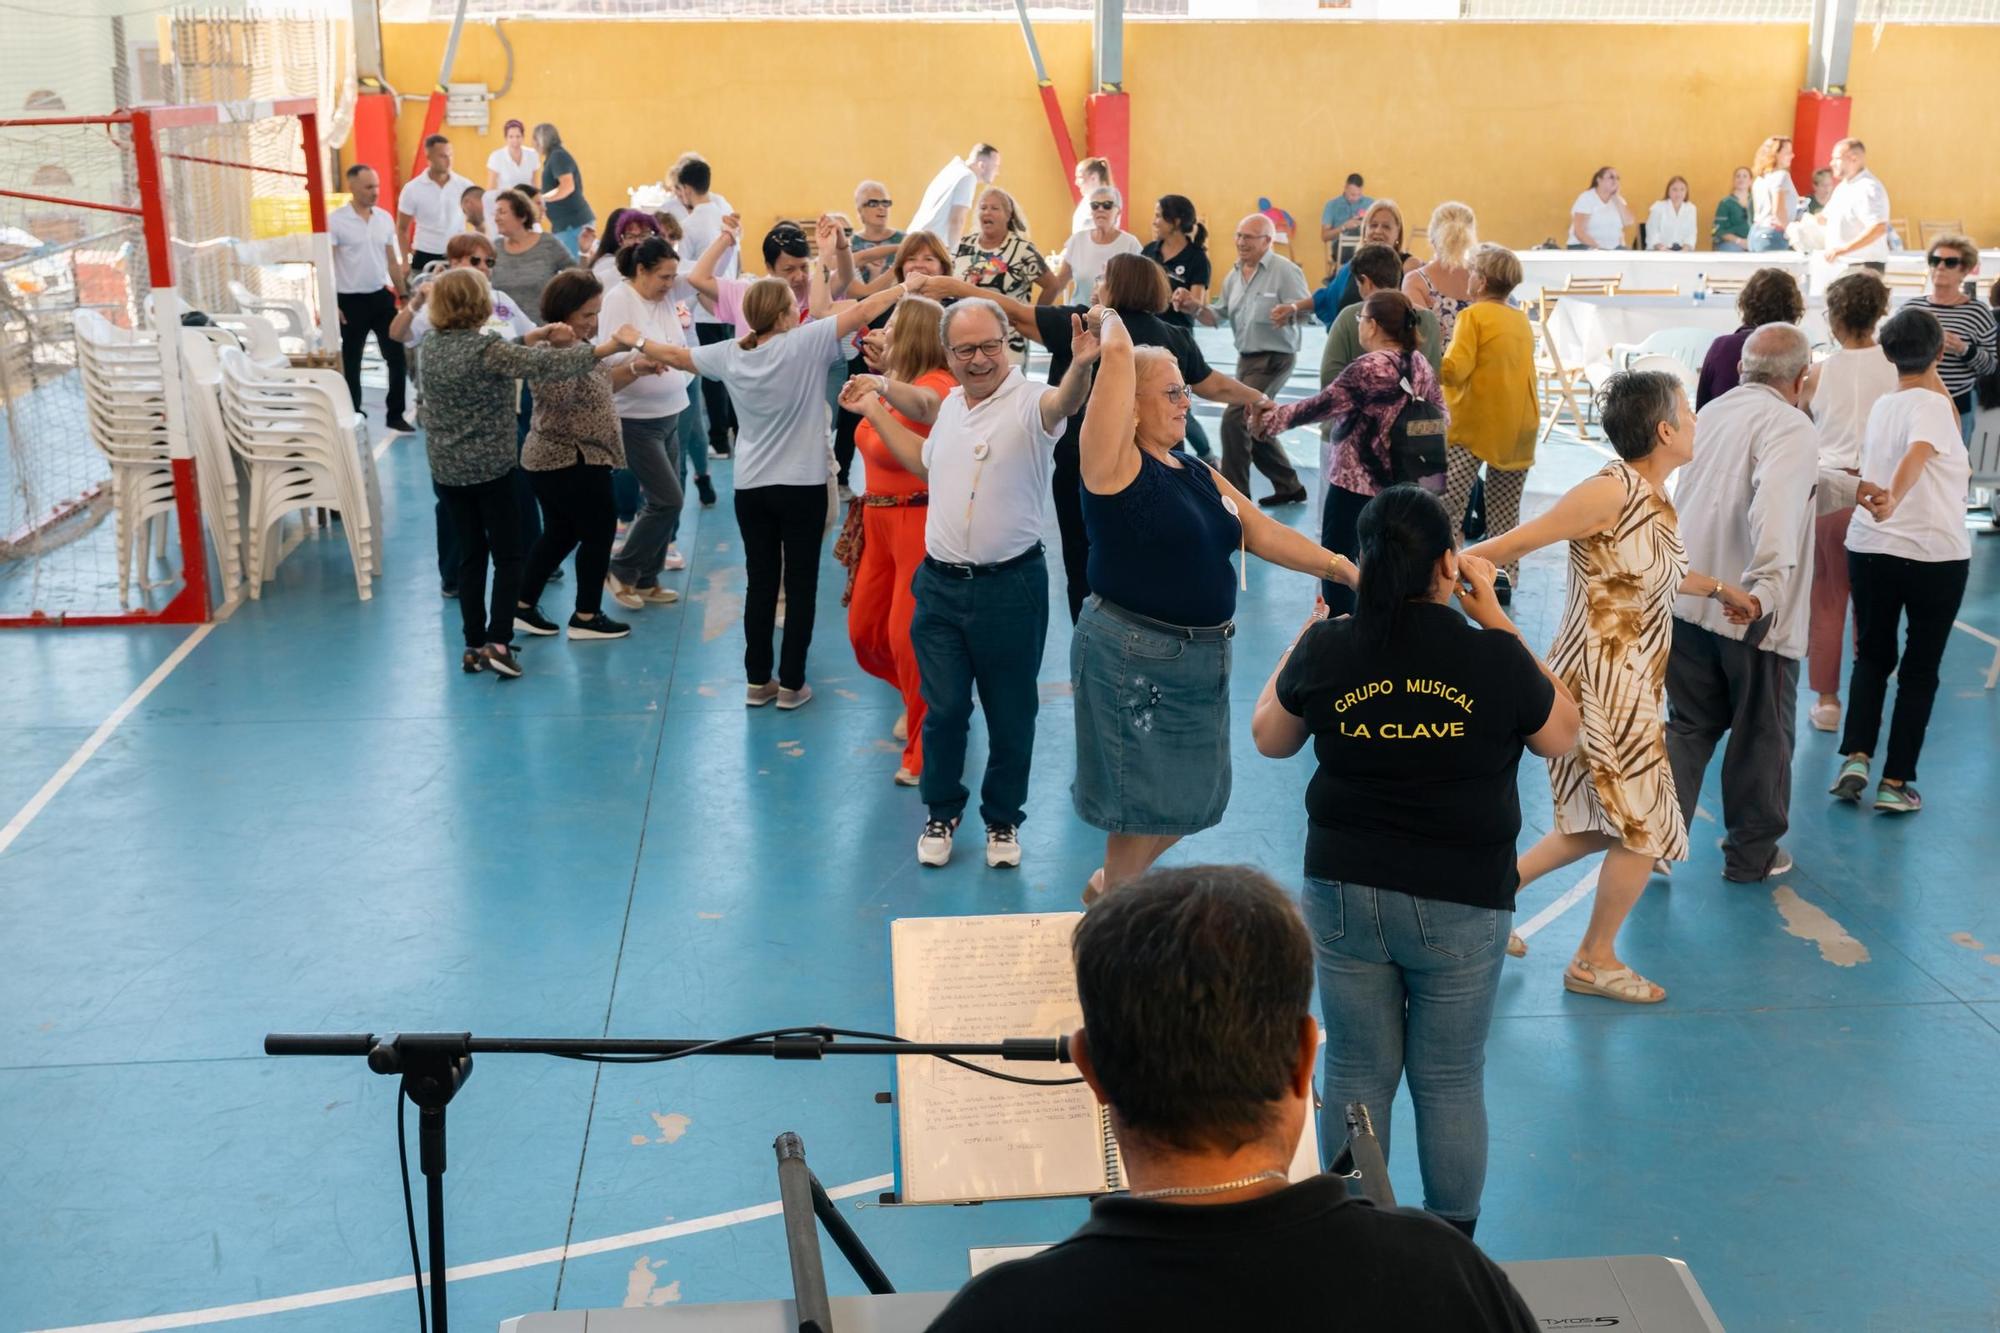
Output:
x=315 y=822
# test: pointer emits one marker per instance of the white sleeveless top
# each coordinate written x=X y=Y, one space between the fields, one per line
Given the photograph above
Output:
x=1850 y=382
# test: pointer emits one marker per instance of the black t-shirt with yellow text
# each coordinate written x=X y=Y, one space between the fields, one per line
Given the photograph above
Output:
x=1418 y=740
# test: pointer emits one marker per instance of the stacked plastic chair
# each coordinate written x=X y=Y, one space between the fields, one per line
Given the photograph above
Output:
x=290 y=319
x=125 y=399
x=217 y=472
x=305 y=448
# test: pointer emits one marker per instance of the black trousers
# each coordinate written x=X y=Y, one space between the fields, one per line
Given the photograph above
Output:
x=1885 y=589
x=783 y=528
x=1715 y=685
x=447 y=540
x=844 y=424
x=1066 y=484
x=422 y=259
x=363 y=313
x=714 y=396
x=488 y=523
x=1338 y=533
x=578 y=514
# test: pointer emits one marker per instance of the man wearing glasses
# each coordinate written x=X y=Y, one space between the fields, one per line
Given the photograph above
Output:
x=1857 y=214
x=982 y=591
x=1260 y=300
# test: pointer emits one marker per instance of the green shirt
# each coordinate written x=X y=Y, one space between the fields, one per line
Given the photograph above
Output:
x=1732 y=218
x=1343 y=342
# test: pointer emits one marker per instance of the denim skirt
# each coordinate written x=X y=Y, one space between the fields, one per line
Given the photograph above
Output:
x=1152 y=722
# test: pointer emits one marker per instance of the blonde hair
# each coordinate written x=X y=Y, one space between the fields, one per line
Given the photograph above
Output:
x=1100 y=167
x=1017 y=221
x=916 y=342
x=1498 y=268
x=1766 y=159
x=1454 y=233
x=1387 y=206
x=764 y=307
x=460 y=299
x=1150 y=362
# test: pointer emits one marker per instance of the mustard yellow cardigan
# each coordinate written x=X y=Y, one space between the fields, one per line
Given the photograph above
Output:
x=1488 y=376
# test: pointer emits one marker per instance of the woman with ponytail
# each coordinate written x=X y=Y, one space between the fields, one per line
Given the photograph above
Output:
x=1180 y=246
x=776 y=376
x=1417 y=720
x=1363 y=403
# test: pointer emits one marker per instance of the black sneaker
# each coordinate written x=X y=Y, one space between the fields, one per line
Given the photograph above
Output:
x=1503 y=587
x=556 y=574
x=473 y=662
x=530 y=620
x=1903 y=800
x=500 y=656
x=449 y=590
x=400 y=424
x=706 y=489
x=599 y=626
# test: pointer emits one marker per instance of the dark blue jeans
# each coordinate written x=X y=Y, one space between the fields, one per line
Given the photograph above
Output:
x=1406 y=988
x=988 y=631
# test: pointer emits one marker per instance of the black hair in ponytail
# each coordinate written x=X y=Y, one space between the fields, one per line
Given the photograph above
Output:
x=648 y=252
x=1179 y=210
x=1403 y=531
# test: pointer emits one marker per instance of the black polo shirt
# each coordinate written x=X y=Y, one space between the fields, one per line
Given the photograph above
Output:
x=1305 y=1257
x=1189 y=268
x=1147 y=330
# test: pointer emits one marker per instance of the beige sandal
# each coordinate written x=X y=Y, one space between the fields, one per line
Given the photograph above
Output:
x=1612 y=983
x=1516 y=946
x=901 y=731
x=1094 y=890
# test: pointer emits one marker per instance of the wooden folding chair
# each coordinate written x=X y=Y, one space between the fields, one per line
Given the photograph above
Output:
x=1580 y=286
x=1674 y=290
x=1555 y=381
x=1899 y=233
x=1726 y=286
x=1929 y=229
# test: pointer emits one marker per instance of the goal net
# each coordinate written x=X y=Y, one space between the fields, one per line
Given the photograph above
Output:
x=106 y=222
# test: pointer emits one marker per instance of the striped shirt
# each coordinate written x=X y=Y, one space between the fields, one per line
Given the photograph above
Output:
x=1972 y=321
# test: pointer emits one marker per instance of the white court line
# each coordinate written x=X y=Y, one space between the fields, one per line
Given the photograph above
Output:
x=1576 y=893
x=1993 y=672
x=388 y=438
x=19 y=823
x=533 y=1258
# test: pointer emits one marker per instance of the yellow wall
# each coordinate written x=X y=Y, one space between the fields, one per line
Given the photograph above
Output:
x=1510 y=118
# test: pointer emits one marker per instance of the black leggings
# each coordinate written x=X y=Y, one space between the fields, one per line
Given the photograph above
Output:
x=1337 y=534
x=1067 y=486
x=783 y=528
x=844 y=425
x=578 y=514
x=487 y=520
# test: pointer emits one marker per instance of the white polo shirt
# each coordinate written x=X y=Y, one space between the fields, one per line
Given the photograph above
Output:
x=989 y=465
x=360 y=246
x=435 y=209
x=1858 y=203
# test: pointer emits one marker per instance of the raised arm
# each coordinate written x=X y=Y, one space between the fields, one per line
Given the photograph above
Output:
x=862 y=313
x=1108 y=457
x=702 y=276
x=1066 y=399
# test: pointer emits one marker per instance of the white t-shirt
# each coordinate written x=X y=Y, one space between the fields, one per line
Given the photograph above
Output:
x=1086 y=259
x=360 y=246
x=779 y=389
x=506 y=320
x=512 y=173
x=1079 y=219
x=649 y=396
x=1929 y=523
x=1605 y=223
x=435 y=208
x=700 y=226
x=1851 y=382
x=951 y=188
x=1666 y=227
x=989 y=467
x=1858 y=203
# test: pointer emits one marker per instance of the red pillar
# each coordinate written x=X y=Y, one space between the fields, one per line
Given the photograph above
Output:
x=1107 y=133
x=373 y=141
x=1819 y=123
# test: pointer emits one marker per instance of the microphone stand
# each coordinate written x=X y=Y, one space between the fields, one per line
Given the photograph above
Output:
x=435 y=1065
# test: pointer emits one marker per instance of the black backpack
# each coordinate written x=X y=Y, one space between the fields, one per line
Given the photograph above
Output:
x=1416 y=443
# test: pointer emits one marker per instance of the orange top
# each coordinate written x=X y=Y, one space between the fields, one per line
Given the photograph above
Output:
x=885 y=475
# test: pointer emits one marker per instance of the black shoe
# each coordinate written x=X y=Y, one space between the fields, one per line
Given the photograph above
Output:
x=530 y=620
x=556 y=574
x=599 y=626
x=1279 y=498
x=473 y=662
x=1503 y=588
x=449 y=590
x=398 y=423
x=500 y=656
x=706 y=489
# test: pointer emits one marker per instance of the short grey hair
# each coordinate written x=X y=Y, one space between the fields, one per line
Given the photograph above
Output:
x=957 y=308
x=1775 y=354
x=1111 y=190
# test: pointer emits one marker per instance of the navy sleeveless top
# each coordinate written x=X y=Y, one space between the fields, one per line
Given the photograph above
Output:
x=1161 y=546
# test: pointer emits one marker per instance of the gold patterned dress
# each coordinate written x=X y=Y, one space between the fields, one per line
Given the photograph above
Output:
x=1611 y=651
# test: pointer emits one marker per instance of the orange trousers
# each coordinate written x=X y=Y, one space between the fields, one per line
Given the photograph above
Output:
x=878 y=615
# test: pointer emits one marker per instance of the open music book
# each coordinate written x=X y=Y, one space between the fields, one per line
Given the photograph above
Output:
x=962 y=1137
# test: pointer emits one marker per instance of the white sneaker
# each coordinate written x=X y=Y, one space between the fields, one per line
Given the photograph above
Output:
x=934 y=847
x=1003 y=845
x=675 y=560
x=1826 y=717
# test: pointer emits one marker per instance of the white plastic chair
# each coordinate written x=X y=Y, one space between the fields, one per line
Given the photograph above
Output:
x=1672 y=365
x=215 y=466
x=1688 y=345
x=290 y=319
x=124 y=405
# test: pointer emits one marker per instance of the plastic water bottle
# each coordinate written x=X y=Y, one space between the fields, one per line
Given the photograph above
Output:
x=1700 y=288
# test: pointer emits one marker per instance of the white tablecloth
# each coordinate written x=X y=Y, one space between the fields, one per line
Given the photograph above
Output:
x=1585 y=328
x=1657 y=269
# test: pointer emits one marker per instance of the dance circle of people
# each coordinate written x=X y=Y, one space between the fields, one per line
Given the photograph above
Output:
x=1688 y=611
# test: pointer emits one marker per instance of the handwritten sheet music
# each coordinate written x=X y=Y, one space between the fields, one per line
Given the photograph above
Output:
x=963 y=1135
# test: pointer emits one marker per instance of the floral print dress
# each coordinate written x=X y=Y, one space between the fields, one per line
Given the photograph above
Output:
x=1611 y=653
x=1010 y=271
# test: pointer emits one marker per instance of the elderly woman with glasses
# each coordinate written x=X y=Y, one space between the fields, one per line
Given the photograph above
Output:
x=997 y=257
x=1090 y=250
x=1969 y=350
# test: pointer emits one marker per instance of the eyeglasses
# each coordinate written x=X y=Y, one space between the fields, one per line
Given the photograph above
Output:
x=1251 y=236
x=482 y=261
x=1179 y=394
x=1103 y=206
x=1945 y=261
x=878 y=203
x=989 y=349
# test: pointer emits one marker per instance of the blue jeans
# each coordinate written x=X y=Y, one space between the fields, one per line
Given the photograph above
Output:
x=1729 y=247
x=1768 y=238
x=989 y=631
x=693 y=435
x=1968 y=417
x=1406 y=989
x=569 y=236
